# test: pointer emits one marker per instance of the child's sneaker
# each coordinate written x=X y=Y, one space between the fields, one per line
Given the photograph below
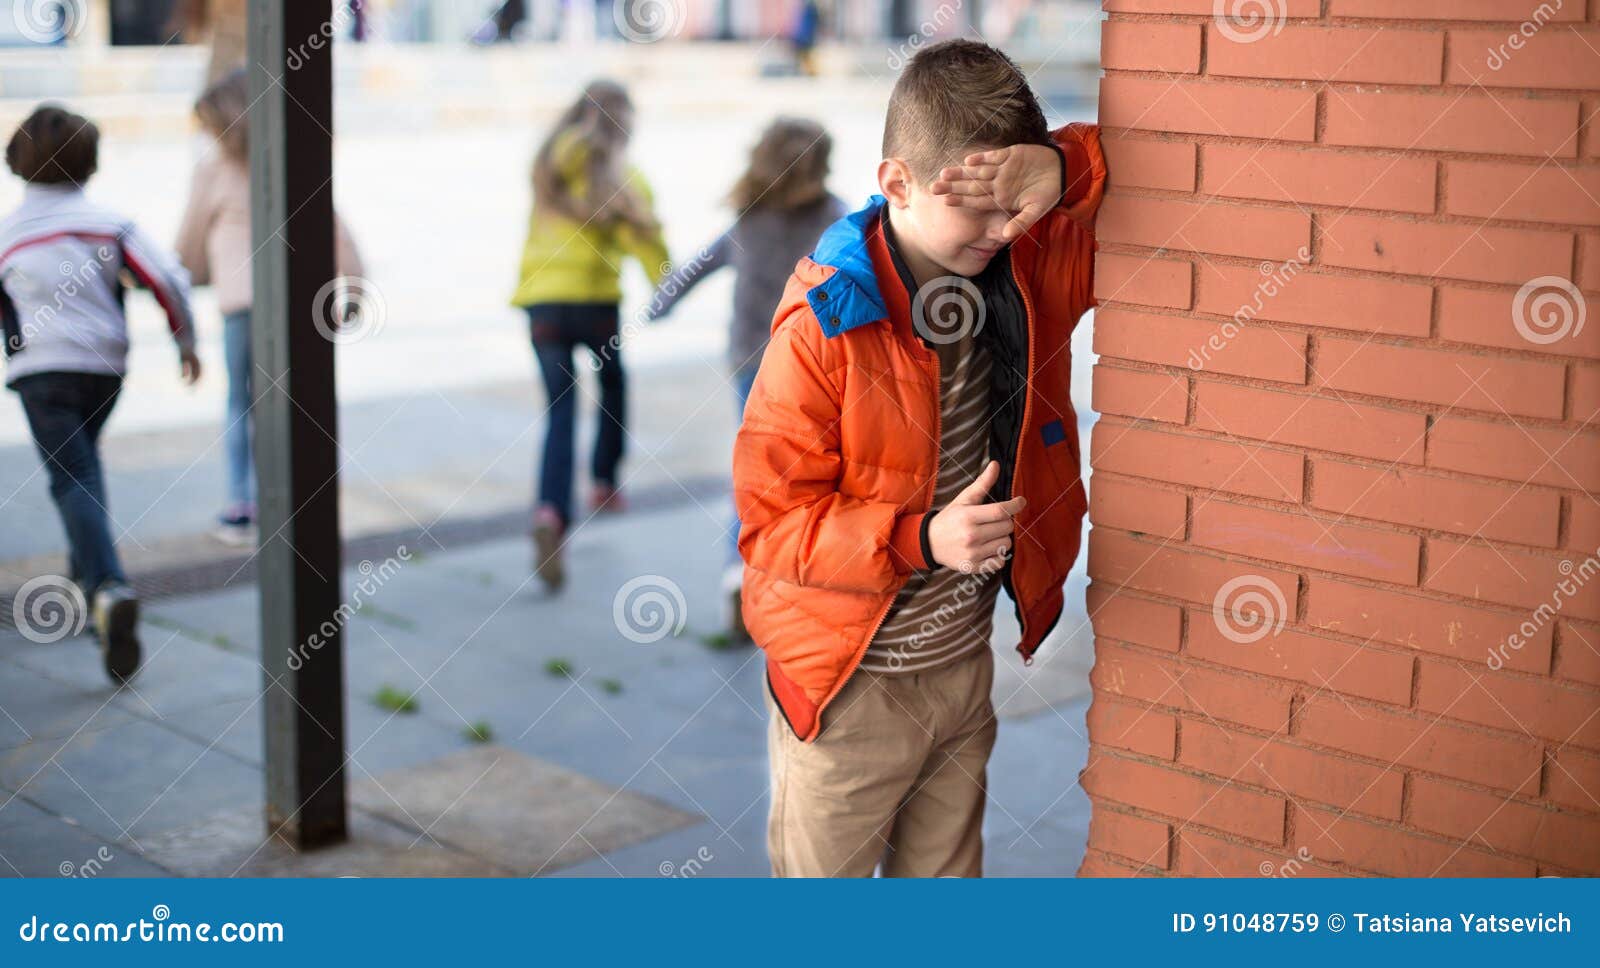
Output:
x=548 y=532
x=606 y=499
x=116 y=618
x=236 y=526
x=732 y=586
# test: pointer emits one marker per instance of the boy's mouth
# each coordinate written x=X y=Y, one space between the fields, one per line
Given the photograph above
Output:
x=983 y=252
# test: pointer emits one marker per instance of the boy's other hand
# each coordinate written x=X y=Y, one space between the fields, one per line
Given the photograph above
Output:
x=189 y=367
x=971 y=535
x=1022 y=179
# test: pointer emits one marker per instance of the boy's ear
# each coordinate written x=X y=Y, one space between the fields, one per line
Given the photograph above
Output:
x=894 y=181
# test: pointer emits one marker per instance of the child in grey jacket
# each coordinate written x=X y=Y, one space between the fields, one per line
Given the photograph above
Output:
x=783 y=206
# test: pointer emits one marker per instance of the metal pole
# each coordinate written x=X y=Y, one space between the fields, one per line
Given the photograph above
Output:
x=296 y=425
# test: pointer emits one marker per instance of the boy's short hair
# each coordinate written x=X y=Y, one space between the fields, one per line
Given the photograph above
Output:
x=53 y=146
x=956 y=95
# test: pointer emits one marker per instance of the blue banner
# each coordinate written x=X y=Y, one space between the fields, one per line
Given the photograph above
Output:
x=765 y=921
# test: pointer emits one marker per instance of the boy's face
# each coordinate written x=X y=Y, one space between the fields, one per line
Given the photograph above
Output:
x=956 y=239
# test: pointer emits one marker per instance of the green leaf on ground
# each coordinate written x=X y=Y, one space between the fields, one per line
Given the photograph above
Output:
x=558 y=667
x=395 y=700
x=478 y=732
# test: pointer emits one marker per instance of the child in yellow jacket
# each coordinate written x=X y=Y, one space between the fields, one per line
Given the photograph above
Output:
x=591 y=210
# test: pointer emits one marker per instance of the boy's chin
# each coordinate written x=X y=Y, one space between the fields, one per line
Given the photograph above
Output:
x=967 y=262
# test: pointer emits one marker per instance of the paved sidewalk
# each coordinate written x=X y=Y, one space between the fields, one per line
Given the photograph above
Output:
x=656 y=750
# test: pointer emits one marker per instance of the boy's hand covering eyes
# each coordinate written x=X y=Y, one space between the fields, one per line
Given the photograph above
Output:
x=1022 y=179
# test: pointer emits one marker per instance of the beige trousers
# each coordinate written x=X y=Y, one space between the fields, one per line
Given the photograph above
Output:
x=897 y=776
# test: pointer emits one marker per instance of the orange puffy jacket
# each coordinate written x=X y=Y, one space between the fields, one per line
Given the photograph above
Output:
x=834 y=464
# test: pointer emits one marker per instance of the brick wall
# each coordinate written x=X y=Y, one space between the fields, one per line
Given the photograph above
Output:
x=1346 y=491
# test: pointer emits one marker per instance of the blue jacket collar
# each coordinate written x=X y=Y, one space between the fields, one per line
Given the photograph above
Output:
x=850 y=297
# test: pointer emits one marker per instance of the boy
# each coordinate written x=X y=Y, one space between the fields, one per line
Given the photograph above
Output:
x=62 y=260
x=910 y=448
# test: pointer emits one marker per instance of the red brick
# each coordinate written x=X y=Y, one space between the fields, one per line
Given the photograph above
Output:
x=1298 y=538
x=1119 y=615
x=1320 y=663
x=1309 y=421
x=1578 y=652
x=1146 y=842
x=1175 y=570
x=1190 y=799
x=1132 y=728
x=1515 y=10
x=1403 y=496
x=1170 y=223
x=1589 y=261
x=1534 y=455
x=1555 y=56
x=1140 y=394
x=1117 y=503
x=1495 y=125
x=1148 y=163
x=1197 y=107
x=1512 y=577
x=1464 y=381
x=1426 y=624
x=1538 y=708
x=1340 y=838
x=1489 y=319
x=1585 y=394
x=1319 y=177
x=1583 y=529
x=1205 y=855
x=1096 y=864
x=1524 y=192
x=1455 y=251
x=1380 y=56
x=1142 y=45
x=1505 y=824
x=1575 y=780
x=1365 y=305
x=1299 y=772
x=1201 y=345
x=1222 y=465
x=1167 y=681
x=1422 y=743
x=1137 y=279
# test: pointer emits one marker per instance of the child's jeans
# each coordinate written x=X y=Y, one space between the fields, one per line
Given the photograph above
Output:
x=239 y=429
x=897 y=775
x=66 y=412
x=556 y=330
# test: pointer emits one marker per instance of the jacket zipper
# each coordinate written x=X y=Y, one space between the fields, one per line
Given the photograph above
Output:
x=933 y=485
x=1027 y=409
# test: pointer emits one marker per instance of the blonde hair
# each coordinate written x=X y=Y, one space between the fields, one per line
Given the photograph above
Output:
x=788 y=168
x=222 y=110
x=595 y=129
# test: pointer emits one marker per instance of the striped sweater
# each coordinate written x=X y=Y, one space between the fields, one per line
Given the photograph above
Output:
x=64 y=262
